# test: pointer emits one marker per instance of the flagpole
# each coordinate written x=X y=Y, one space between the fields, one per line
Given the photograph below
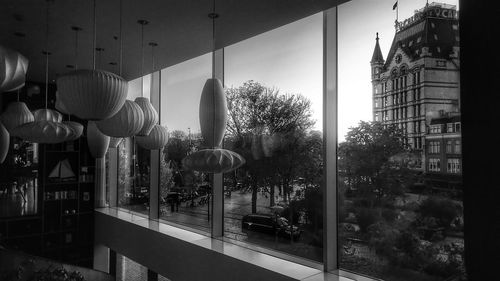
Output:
x=397 y=11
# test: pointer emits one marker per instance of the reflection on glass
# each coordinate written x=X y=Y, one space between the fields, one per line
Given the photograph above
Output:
x=18 y=180
x=185 y=196
x=399 y=167
x=133 y=176
x=134 y=161
x=274 y=92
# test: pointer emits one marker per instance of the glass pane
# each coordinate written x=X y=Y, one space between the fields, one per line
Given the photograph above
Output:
x=184 y=195
x=134 y=161
x=274 y=89
x=400 y=185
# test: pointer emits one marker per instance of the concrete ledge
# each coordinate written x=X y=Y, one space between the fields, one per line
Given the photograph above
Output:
x=180 y=255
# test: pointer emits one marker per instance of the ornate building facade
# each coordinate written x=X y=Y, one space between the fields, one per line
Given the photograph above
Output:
x=421 y=75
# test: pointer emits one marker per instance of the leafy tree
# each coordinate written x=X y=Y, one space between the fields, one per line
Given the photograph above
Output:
x=268 y=129
x=442 y=210
x=369 y=163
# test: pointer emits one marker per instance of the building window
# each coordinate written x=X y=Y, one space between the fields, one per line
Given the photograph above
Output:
x=457 y=127
x=450 y=128
x=449 y=147
x=441 y=63
x=453 y=165
x=434 y=147
x=435 y=129
x=458 y=148
x=434 y=165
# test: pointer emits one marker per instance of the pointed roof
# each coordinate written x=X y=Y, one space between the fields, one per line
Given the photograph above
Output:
x=377 y=53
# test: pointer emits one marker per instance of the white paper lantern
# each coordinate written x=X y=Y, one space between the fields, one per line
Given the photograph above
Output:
x=213 y=112
x=97 y=142
x=45 y=114
x=4 y=142
x=157 y=139
x=42 y=132
x=76 y=130
x=92 y=94
x=126 y=123
x=213 y=161
x=16 y=114
x=13 y=68
x=114 y=142
x=151 y=117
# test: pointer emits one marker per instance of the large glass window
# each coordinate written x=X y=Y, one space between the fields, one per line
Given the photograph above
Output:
x=185 y=195
x=398 y=220
x=134 y=161
x=274 y=88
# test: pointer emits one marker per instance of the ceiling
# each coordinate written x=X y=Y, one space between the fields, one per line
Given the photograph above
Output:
x=181 y=28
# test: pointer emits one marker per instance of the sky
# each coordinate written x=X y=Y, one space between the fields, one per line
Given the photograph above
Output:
x=289 y=58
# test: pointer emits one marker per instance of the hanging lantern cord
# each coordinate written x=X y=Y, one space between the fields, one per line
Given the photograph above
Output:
x=99 y=50
x=76 y=29
x=94 y=39
x=47 y=53
x=121 y=40
x=153 y=45
x=142 y=23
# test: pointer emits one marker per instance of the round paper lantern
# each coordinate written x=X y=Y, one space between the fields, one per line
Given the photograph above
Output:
x=213 y=112
x=76 y=130
x=13 y=68
x=126 y=123
x=157 y=139
x=16 y=114
x=47 y=115
x=151 y=117
x=213 y=161
x=114 y=142
x=96 y=140
x=4 y=142
x=42 y=132
x=92 y=94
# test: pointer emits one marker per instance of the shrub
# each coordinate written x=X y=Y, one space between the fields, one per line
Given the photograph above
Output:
x=444 y=210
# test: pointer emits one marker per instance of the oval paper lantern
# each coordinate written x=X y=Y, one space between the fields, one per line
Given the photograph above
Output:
x=96 y=140
x=126 y=123
x=150 y=116
x=4 y=142
x=114 y=142
x=16 y=114
x=213 y=112
x=92 y=94
x=213 y=161
x=42 y=132
x=13 y=68
x=157 y=139
x=47 y=115
x=76 y=130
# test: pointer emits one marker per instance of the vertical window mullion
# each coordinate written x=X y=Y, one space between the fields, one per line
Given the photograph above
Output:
x=330 y=237
x=217 y=179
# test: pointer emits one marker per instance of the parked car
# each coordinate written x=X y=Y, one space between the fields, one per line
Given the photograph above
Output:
x=270 y=224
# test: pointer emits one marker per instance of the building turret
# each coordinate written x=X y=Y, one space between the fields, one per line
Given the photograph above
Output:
x=377 y=62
